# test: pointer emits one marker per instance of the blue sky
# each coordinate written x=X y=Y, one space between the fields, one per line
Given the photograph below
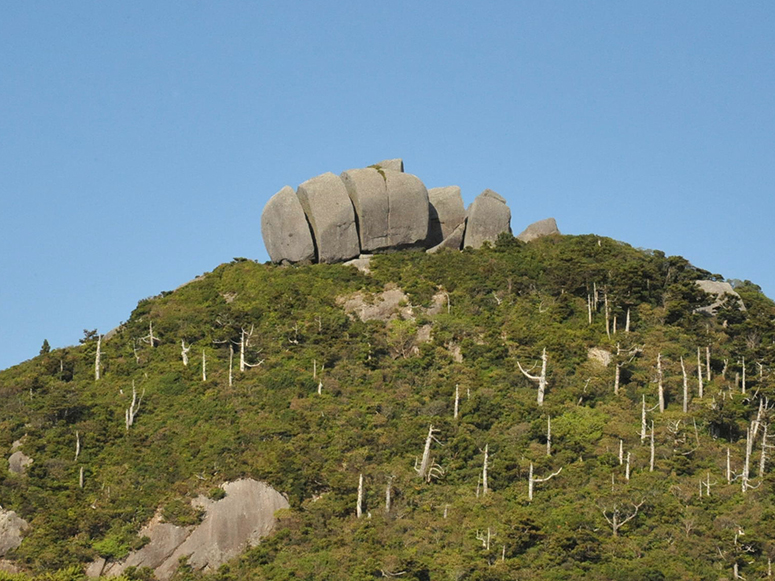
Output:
x=140 y=140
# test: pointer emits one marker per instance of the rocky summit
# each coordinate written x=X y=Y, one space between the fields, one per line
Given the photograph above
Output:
x=380 y=208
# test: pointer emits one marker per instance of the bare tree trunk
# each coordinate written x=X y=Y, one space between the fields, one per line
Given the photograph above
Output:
x=131 y=412
x=607 y=314
x=707 y=363
x=729 y=467
x=747 y=464
x=763 y=457
x=97 y=358
x=231 y=364
x=699 y=375
x=743 y=390
x=457 y=400
x=359 y=506
x=617 y=377
x=615 y=321
x=388 y=492
x=548 y=435
x=532 y=481
x=643 y=418
x=616 y=521
x=660 y=386
x=651 y=456
x=627 y=468
x=627 y=324
x=427 y=469
x=541 y=380
x=724 y=369
x=184 y=352
x=204 y=366
x=621 y=452
x=80 y=478
x=686 y=387
x=485 y=488
x=77 y=446
x=589 y=309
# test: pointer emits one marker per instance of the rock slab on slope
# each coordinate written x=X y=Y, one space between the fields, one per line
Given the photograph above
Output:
x=452 y=242
x=330 y=213
x=239 y=520
x=539 y=229
x=408 y=210
x=446 y=213
x=11 y=528
x=284 y=226
x=367 y=189
x=718 y=290
x=488 y=216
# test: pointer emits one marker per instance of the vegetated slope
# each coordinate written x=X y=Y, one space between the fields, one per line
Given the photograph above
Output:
x=380 y=390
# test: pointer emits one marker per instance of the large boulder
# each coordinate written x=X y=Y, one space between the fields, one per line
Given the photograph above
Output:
x=391 y=164
x=330 y=213
x=230 y=525
x=408 y=215
x=368 y=192
x=446 y=213
x=488 y=216
x=718 y=290
x=452 y=242
x=11 y=528
x=18 y=462
x=286 y=232
x=539 y=229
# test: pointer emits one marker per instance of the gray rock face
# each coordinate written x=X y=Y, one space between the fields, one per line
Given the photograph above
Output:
x=239 y=520
x=452 y=242
x=538 y=229
x=718 y=290
x=18 y=462
x=409 y=207
x=367 y=189
x=330 y=213
x=391 y=164
x=488 y=216
x=446 y=213
x=11 y=528
x=284 y=226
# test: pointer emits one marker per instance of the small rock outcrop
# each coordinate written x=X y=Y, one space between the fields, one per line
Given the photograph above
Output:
x=539 y=229
x=446 y=213
x=11 y=528
x=330 y=213
x=380 y=209
x=239 y=520
x=718 y=290
x=284 y=226
x=488 y=217
x=18 y=462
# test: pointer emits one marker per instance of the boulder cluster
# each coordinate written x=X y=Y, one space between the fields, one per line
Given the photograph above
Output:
x=379 y=208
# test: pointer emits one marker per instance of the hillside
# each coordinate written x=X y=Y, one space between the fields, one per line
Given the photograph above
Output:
x=326 y=398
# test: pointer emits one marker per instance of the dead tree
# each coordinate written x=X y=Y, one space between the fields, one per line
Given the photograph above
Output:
x=184 y=352
x=729 y=467
x=589 y=308
x=359 y=506
x=744 y=476
x=643 y=418
x=388 y=493
x=627 y=324
x=428 y=469
x=707 y=484
x=548 y=435
x=707 y=363
x=660 y=386
x=131 y=412
x=651 y=454
x=618 y=518
x=243 y=345
x=607 y=314
x=539 y=379
x=532 y=481
x=457 y=400
x=765 y=446
x=150 y=338
x=80 y=478
x=485 y=539
x=231 y=365
x=97 y=358
x=77 y=446
x=627 y=468
x=743 y=386
x=204 y=366
x=485 y=488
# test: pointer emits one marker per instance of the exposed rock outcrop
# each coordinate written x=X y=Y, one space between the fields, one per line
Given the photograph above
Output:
x=239 y=520
x=599 y=355
x=381 y=208
x=11 y=528
x=330 y=213
x=718 y=290
x=284 y=226
x=18 y=462
x=488 y=217
x=446 y=213
x=539 y=229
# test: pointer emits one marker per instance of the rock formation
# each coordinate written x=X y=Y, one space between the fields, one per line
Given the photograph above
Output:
x=488 y=216
x=380 y=208
x=538 y=229
x=11 y=528
x=718 y=290
x=239 y=520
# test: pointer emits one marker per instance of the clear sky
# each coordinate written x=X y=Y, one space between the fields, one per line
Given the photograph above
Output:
x=139 y=141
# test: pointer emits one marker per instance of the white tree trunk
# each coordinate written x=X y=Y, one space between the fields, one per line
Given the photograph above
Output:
x=457 y=400
x=97 y=358
x=589 y=309
x=660 y=386
x=699 y=375
x=621 y=452
x=651 y=454
x=80 y=478
x=231 y=365
x=643 y=418
x=627 y=324
x=485 y=487
x=77 y=446
x=131 y=412
x=540 y=379
x=627 y=468
x=204 y=366
x=617 y=378
x=388 y=492
x=743 y=390
x=729 y=467
x=532 y=481
x=707 y=363
x=359 y=506
x=548 y=435
x=686 y=387
x=184 y=352
x=763 y=457
x=607 y=314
